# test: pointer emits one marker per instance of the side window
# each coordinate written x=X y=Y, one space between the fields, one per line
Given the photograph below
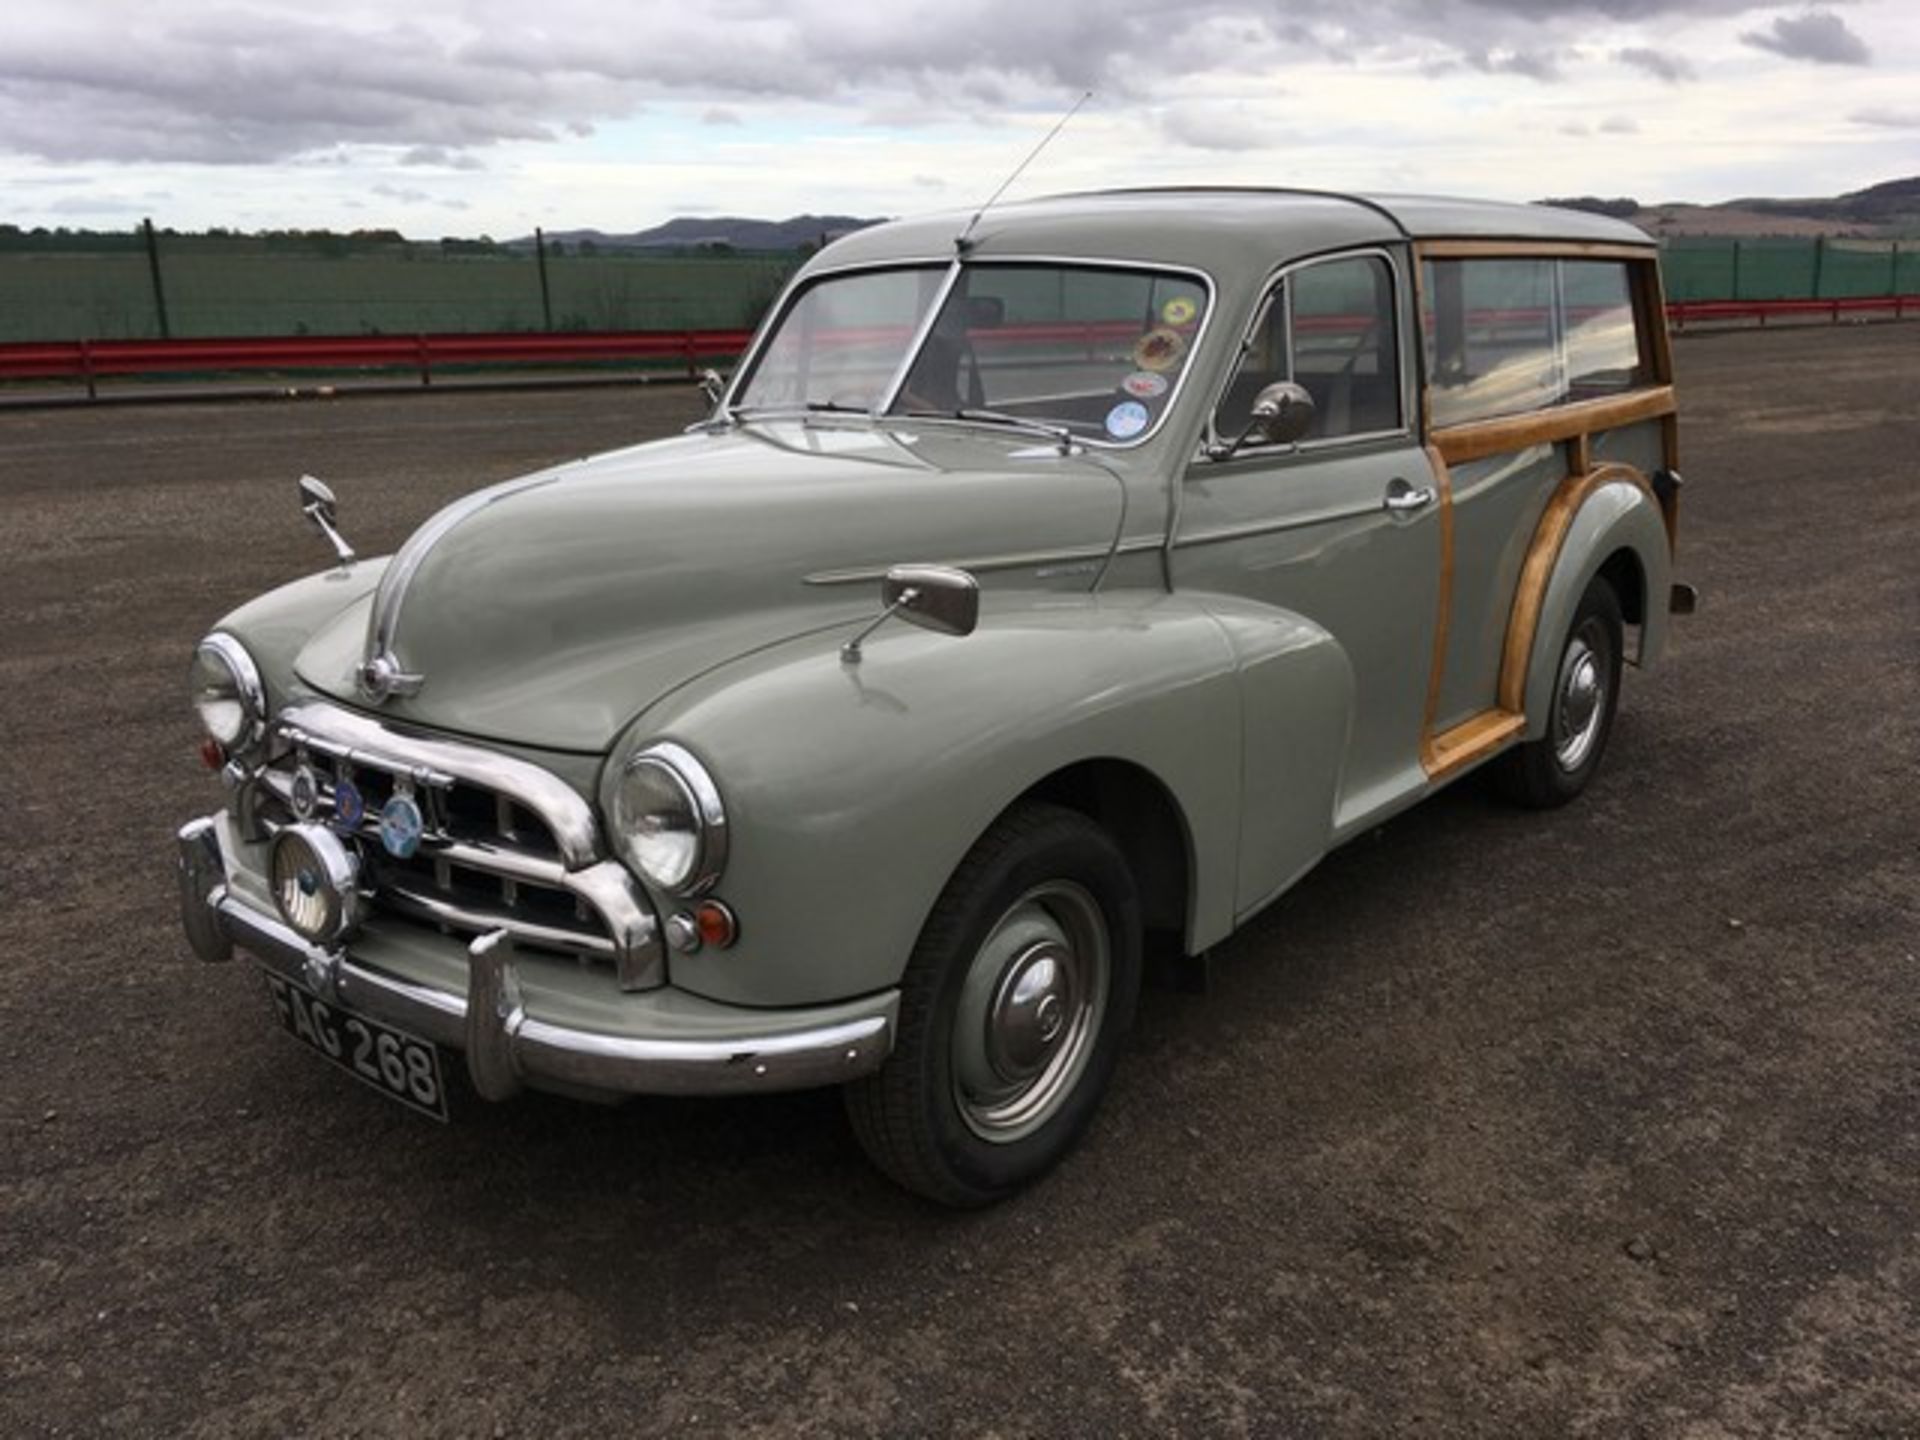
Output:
x=1603 y=347
x=1507 y=336
x=1329 y=327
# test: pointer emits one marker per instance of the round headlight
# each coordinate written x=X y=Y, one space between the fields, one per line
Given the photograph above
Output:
x=669 y=822
x=226 y=690
x=316 y=882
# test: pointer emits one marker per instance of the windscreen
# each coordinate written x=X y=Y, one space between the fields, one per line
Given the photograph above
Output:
x=842 y=341
x=1095 y=349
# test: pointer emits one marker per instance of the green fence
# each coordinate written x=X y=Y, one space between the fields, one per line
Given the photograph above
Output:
x=407 y=290
x=1783 y=269
x=240 y=286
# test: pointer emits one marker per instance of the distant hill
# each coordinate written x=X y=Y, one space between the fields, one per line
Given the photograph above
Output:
x=1887 y=211
x=732 y=232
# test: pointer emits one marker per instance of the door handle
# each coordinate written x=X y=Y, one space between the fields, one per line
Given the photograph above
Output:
x=1404 y=499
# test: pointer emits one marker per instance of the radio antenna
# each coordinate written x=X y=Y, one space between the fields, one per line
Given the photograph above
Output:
x=965 y=239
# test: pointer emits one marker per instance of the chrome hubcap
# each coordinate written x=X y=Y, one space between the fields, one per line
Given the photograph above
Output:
x=1580 y=697
x=1029 y=1012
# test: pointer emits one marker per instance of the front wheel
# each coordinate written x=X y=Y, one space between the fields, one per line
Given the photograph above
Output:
x=1012 y=1012
x=1552 y=770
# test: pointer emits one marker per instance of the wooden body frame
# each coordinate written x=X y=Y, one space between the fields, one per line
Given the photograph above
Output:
x=1574 y=425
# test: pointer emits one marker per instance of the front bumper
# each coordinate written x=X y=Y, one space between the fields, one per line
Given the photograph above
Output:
x=516 y=1030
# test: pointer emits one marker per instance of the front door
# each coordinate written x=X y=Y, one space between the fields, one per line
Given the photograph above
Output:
x=1342 y=527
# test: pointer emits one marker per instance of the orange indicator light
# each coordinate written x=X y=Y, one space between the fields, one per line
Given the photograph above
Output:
x=718 y=928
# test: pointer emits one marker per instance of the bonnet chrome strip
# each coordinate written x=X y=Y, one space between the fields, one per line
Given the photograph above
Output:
x=384 y=618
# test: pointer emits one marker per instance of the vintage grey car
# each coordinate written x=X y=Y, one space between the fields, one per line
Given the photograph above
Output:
x=1048 y=584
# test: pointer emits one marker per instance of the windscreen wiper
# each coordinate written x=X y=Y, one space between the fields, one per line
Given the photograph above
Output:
x=794 y=407
x=1059 y=434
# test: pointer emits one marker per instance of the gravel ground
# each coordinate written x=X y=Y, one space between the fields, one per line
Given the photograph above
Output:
x=1605 y=1122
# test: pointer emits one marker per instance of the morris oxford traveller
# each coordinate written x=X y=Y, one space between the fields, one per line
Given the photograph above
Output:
x=1046 y=585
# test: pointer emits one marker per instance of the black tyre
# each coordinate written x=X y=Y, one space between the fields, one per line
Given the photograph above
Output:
x=1012 y=1013
x=1552 y=770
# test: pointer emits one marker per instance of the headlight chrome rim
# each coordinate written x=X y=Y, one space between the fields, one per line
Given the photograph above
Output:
x=248 y=691
x=702 y=797
x=315 y=880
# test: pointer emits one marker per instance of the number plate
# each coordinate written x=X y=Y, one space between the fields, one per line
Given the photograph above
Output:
x=400 y=1066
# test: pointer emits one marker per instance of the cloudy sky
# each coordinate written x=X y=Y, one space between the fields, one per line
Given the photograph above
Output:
x=471 y=116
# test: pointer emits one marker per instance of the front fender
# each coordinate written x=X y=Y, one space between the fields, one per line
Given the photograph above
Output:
x=275 y=626
x=854 y=791
x=1620 y=514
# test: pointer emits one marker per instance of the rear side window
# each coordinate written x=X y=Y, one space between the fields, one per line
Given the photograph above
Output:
x=1505 y=336
x=1329 y=327
x=1603 y=347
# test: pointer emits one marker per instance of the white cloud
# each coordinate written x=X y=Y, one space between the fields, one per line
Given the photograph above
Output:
x=275 y=112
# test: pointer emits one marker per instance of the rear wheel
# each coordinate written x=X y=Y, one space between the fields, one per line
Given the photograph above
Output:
x=1552 y=770
x=1012 y=1012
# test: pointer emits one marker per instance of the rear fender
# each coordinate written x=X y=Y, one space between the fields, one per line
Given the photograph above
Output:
x=1619 y=514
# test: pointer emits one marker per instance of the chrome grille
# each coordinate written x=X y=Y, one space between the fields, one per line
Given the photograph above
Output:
x=504 y=845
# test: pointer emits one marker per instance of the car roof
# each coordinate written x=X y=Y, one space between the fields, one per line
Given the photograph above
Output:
x=1223 y=230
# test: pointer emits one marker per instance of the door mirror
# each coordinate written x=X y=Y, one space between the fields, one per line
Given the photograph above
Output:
x=319 y=506
x=316 y=498
x=713 y=386
x=933 y=597
x=1282 y=413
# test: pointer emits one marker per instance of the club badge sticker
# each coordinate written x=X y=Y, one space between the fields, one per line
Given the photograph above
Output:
x=1127 y=419
x=1179 y=311
x=1159 y=351
x=1145 y=385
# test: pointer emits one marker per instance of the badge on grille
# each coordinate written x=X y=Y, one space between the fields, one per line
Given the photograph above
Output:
x=400 y=826
x=305 y=795
x=349 y=807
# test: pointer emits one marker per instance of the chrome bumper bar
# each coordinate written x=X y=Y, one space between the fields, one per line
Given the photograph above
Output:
x=506 y=1045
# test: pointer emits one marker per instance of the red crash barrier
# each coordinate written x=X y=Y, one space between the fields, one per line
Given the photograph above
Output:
x=89 y=360
x=1682 y=312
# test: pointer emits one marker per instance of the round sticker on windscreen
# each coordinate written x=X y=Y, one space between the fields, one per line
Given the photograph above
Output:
x=1145 y=385
x=1158 y=350
x=1179 y=310
x=1127 y=419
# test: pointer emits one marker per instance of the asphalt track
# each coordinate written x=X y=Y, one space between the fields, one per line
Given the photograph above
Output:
x=1599 y=1123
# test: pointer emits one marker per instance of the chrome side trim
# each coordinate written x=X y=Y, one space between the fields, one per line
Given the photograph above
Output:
x=363 y=740
x=1019 y=560
x=509 y=1044
x=1275 y=526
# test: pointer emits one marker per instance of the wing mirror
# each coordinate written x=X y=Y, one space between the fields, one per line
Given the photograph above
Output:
x=319 y=506
x=934 y=597
x=1282 y=414
x=712 y=385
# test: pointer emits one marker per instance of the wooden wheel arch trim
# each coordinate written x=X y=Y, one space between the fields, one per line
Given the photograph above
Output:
x=1443 y=752
x=1530 y=595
